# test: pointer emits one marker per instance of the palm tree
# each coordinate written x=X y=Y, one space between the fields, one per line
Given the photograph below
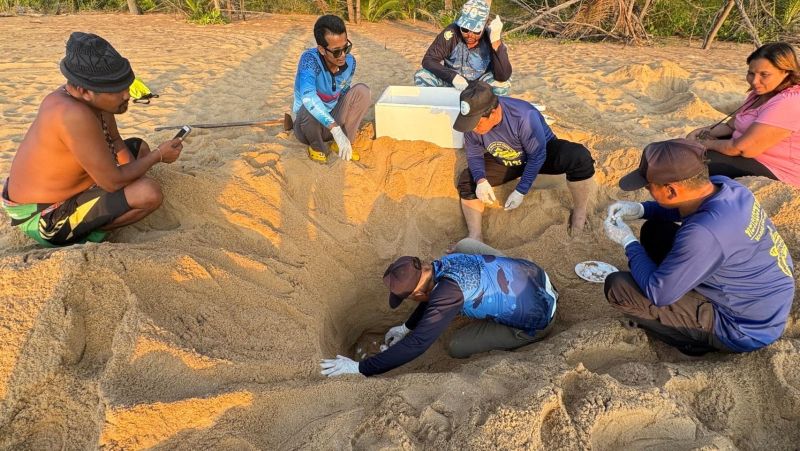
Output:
x=350 y=11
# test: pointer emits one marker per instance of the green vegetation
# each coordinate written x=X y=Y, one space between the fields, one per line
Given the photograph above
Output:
x=694 y=18
x=774 y=19
x=202 y=12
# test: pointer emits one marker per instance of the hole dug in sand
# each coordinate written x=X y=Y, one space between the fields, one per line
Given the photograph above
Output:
x=367 y=345
x=359 y=333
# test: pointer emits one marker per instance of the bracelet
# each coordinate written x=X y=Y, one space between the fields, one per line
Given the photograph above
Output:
x=160 y=155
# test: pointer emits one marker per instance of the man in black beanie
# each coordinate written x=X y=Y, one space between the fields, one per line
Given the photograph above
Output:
x=73 y=177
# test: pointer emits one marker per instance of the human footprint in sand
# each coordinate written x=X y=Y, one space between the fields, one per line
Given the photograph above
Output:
x=511 y=298
x=508 y=139
x=74 y=178
x=712 y=273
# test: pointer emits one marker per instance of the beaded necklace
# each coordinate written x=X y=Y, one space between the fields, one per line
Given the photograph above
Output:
x=106 y=134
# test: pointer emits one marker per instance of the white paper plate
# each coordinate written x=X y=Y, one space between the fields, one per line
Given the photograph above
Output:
x=594 y=271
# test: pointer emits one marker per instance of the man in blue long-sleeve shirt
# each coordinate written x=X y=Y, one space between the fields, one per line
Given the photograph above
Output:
x=507 y=139
x=719 y=280
x=512 y=299
x=326 y=106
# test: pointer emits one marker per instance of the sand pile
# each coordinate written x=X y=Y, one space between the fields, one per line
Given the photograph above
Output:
x=662 y=88
x=202 y=326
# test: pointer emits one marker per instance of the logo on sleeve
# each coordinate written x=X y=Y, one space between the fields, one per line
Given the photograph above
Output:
x=448 y=35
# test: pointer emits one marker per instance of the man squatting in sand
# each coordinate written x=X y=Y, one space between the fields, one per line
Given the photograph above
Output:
x=507 y=139
x=711 y=271
x=73 y=177
x=511 y=298
x=468 y=50
x=326 y=106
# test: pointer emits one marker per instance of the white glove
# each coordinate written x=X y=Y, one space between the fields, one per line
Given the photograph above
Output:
x=460 y=82
x=396 y=334
x=345 y=149
x=485 y=192
x=619 y=232
x=495 y=28
x=514 y=200
x=338 y=366
x=625 y=210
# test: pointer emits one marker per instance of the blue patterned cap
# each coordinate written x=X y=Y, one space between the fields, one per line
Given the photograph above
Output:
x=474 y=15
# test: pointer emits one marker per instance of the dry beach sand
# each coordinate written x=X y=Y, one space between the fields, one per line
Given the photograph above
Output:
x=202 y=327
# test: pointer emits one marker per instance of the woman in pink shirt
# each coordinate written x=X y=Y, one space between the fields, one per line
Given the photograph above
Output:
x=763 y=137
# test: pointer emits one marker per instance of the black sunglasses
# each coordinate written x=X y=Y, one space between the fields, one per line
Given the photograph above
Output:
x=468 y=31
x=338 y=52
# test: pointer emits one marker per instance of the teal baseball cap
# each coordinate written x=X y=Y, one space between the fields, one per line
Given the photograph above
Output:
x=474 y=15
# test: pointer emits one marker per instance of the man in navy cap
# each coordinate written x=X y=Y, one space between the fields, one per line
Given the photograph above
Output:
x=711 y=271
x=511 y=298
x=73 y=177
x=508 y=139
x=468 y=50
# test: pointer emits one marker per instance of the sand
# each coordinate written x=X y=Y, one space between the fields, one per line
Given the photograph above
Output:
x=202 y=326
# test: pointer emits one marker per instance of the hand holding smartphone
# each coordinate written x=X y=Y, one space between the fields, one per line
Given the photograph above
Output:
x=183 y=132
x=171 y=150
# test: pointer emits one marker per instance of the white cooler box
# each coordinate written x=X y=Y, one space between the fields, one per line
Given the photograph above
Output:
x=413 y=113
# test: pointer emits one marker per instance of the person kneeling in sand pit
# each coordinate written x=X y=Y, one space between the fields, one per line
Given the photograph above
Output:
x=465 y=51
x=507 y=139
x=326 y=106
x=763 y=137
x=711 y=271
x=73 y=177
x=512 y=299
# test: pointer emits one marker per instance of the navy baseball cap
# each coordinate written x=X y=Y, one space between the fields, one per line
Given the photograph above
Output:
x=666 y=162
x=402 y=277
x=476 y=100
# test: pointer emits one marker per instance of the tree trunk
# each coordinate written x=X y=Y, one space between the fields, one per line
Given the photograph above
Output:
x=216 y=6
x=645 y=10
x=747 y=23
x=448 y=5
x=358 y=11
x=721 y=16
x=350 y=14
x=133 y=8
x=535 y=20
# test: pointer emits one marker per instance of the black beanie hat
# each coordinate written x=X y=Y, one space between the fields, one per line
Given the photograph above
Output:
x=93 y=64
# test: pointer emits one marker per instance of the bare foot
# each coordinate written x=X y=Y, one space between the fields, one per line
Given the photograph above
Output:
x=577 y=222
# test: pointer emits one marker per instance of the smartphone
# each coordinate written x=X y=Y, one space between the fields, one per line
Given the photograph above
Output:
x=183 y=132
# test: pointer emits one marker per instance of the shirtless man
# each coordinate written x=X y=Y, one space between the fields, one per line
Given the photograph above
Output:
x=73 y=177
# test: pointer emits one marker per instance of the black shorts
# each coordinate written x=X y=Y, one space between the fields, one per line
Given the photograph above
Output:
x=563 y=157
x=133 y=145
x=77 y=217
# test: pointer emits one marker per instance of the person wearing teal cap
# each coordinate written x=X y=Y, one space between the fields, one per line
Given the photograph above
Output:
x=468 y=50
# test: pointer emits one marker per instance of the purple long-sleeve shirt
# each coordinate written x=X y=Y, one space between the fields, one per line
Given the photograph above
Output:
x=730 y=252
x=519 y=139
